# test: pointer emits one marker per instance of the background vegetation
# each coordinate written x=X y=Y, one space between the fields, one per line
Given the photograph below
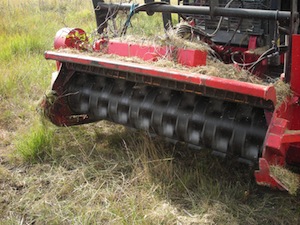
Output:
x=103 y=173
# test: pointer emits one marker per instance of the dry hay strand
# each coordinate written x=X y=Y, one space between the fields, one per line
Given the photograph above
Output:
x=289 y=179
x=165 y=63
x=283 y=91
x=171 y=39
x=142 y=40
x=174 y=40
x=169 y=214
x=228 y=71
x=101 y=54
x=82 y=52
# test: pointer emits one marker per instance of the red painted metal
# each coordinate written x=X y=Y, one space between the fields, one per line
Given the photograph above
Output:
x=70 y=38
x=151 y=53
x=252 y=43
x=282 y=145
x=282 y=142
x=256 y=90
x=187 y=57
x=291 y=136
x=99 y=45
x=263 y=176
x=295 y=76
x=191 y=57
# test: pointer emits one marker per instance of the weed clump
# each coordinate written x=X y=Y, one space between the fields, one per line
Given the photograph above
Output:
x=36 y=143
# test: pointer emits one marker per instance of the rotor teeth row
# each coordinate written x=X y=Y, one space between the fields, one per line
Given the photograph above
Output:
x=225 y=127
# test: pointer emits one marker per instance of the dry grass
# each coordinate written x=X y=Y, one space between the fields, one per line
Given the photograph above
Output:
x=174 y=40
x=169 y=39
x=106 y=174
x=283 y=91
x=289 y=179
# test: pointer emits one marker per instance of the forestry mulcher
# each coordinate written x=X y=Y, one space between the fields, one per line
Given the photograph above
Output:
x=225 y=77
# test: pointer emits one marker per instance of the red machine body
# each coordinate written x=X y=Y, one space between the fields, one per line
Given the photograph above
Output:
x=232 y=117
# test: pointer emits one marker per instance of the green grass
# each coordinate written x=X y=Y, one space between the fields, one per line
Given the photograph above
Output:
x=103 y=173
x=37 y=142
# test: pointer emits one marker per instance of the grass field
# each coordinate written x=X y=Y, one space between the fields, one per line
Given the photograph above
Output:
x=104 y=173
